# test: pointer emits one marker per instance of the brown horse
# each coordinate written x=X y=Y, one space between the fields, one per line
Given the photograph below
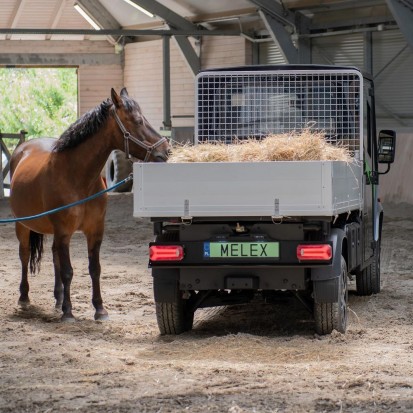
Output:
x=49 y=173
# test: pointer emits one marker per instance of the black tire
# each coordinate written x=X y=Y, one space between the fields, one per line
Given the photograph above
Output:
x=174 y=314
x=368 y=280
x=174 y=317
x=118 y=168
x=333 y=316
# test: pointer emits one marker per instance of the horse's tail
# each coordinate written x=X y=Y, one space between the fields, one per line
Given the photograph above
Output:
x=36 y=251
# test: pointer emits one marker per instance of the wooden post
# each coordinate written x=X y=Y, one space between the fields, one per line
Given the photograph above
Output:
x=1 y=171
x=3 y=149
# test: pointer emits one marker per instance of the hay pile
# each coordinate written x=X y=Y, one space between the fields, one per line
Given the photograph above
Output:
x=304 y=146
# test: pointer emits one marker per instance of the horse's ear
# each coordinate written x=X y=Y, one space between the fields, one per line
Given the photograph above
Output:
x=116 y=99
x=124 y=92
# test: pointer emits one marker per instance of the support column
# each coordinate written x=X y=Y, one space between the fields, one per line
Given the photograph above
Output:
x=368 y=52
x=166 y=82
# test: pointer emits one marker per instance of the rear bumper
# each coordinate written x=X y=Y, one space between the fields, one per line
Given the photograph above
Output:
x=198 y=272
x=243 y=278
x=194 y=256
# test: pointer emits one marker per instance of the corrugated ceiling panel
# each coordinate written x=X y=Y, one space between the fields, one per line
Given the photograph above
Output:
x=71 y=19
x=36 y=14
x=7 y=8
x=393 y=71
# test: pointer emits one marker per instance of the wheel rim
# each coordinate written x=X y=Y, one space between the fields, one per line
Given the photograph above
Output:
x=343 y=298
x=378 y=270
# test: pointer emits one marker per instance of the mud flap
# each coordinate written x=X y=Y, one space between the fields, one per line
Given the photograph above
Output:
x=165 y=284
x=326 y=291
x=326 y=279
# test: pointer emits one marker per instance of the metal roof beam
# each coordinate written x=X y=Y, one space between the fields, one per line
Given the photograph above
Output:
x=189 y=53
x=96 y=10
x=342 y=5
x=175 y=21
x=276 y=17
x=402 y=11
x=171 y=18
x=276 y=10
x=368 y=52
x=280 y=37
x=100 y=15
x=303 y=43
x=125 y=32
x=372 y=20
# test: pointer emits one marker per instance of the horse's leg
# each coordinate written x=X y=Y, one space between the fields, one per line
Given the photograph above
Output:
x=58 y=286
x=23 y=235
x=61 y=243
x=94 y=241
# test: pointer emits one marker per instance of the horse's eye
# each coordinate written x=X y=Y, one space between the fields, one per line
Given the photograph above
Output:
x=140 y=122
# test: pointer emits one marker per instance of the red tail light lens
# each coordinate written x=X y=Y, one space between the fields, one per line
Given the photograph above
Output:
x=166 y=253
x=319 y=252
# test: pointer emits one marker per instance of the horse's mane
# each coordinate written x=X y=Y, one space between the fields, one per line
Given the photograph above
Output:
x=86 y=126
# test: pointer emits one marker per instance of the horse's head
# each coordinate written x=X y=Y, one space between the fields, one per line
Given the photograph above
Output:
x=140 y=138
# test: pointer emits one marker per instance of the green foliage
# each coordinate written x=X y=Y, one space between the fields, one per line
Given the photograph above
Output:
x=41 y=101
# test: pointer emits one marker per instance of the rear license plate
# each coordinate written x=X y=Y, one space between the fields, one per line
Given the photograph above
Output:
x=241 y=250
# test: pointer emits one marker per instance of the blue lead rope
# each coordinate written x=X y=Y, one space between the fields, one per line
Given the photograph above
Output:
x=82 y=201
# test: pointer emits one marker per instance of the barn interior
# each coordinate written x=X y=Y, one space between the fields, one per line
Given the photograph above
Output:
x=156 y=48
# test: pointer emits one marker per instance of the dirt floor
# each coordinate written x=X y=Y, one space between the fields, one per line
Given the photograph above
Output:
x=257 y=358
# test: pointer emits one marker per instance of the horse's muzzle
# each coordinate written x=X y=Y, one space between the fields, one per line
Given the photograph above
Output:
x=159 y=158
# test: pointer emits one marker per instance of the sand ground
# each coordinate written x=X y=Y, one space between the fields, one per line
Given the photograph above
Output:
x=255 y=358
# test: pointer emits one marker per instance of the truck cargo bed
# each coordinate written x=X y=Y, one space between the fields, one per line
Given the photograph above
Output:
x=247 y=189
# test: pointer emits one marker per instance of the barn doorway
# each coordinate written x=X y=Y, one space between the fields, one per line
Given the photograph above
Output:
x=40 y=101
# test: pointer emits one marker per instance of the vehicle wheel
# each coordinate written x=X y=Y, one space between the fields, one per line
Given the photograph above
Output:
x=368 y=280
x=118 y=168
x=175 y=317
x=333 y=316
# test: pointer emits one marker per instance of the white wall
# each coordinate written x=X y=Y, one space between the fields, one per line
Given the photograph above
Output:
x=95 y=83
x=225 y=51
x=143 y=78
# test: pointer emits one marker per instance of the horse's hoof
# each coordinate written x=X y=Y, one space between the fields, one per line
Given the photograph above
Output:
x=101 y=316
x=67 y=318
x=24 y=303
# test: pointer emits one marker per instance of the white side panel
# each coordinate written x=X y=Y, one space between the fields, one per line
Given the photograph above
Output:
x=244 y=189
x=346 y=186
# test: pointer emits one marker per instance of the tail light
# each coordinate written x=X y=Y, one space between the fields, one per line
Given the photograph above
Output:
x=166 y=253
x=316 y=252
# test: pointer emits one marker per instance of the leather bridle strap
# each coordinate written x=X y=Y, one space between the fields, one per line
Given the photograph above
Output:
x=128 y=137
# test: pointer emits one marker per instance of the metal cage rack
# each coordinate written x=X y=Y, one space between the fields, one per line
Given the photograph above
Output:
x=237 y=105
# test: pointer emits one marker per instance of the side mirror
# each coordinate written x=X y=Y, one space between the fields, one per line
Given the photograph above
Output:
x=387 y=146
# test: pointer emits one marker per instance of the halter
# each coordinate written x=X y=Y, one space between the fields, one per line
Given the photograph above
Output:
x=149 y=148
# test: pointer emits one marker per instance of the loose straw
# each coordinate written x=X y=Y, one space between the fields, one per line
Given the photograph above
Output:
x=304 y=146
